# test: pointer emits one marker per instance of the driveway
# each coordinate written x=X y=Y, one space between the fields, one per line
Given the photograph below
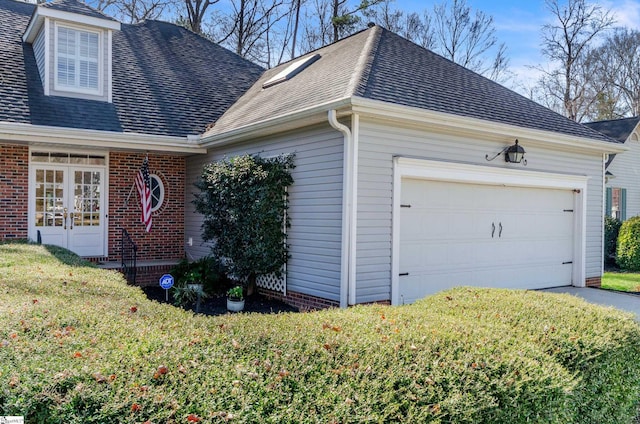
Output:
x=620 y=300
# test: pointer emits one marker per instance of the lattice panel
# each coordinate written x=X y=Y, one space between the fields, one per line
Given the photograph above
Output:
x=273 y=282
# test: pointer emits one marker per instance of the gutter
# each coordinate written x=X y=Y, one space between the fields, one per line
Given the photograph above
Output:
x=349 y=207
x=82 y=138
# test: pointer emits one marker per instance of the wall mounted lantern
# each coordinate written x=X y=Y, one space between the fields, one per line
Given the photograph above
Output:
x=513 y=154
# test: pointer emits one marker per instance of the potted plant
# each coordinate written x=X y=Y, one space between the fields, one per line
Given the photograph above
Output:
x=194 y=281
x=235 y=299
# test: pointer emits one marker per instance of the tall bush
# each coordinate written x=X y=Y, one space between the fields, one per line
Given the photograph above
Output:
x=611 y=230
x=244 y=201
x=628 y=252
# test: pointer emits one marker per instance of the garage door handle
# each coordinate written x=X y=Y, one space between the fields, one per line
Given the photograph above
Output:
x=493 y=229
x=500 y=232
x=402 y=274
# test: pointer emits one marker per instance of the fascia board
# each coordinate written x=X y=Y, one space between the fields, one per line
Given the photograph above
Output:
x=404 y=115
x=312 y=115
x=44 y=12
x=72 y=137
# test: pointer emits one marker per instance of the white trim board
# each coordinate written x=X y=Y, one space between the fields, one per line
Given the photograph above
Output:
x=476 y=174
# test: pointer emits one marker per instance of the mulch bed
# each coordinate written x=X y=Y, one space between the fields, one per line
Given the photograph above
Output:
x=217 y=305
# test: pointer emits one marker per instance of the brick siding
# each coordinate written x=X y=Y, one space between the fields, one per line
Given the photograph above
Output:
x=165 y=241
x=14 y=186
x=304 y=302
x=593 y=281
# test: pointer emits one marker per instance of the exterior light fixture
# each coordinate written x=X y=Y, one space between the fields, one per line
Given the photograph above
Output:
x=513 y=154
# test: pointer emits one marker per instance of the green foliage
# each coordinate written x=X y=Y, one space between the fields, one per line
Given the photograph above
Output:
x=611 y=230
x=208 y=271
x=628 y=253
x=77 y=344
x=243 y=201
x=235 y=293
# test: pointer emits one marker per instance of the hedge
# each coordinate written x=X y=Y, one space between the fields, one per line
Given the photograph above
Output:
x=79 y=345
x=628 y=252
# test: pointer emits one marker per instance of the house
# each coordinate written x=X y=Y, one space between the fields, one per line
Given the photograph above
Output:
x=622 y=196
x=401 y=188
x=83 y=100
x=401 y=183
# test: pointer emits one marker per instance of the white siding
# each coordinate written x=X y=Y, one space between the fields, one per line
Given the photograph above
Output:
x=626 y=171
x=378 y=144
x=315 y=206
x=38 y=51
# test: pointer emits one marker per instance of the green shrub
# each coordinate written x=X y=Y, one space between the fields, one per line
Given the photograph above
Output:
x=79 y=345
x=243 y=201
x=208 y=271
x=628 y=252
x=611 y=230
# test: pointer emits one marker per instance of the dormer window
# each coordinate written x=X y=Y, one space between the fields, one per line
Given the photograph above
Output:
x=72 y=45
x=78 y=64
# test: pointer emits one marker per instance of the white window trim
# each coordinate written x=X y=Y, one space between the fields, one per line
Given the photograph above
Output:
x=162 y=192
x=478 y=174
x=65 y=88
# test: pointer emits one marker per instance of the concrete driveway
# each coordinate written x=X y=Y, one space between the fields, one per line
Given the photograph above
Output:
x=624 y=301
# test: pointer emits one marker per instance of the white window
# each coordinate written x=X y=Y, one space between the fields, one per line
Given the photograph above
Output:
x=157 y=192
x=77 y=60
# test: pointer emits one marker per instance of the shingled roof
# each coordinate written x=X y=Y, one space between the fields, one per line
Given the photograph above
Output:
x=166 y=80
x=617 y=129
x=74 y=6
x=377 y=64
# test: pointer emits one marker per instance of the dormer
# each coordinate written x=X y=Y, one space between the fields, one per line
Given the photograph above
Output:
x=72 y=47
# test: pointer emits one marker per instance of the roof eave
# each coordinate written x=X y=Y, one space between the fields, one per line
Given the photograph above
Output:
x=40 y=13
x=412 y=115
x=72 y=137
x=281 y=123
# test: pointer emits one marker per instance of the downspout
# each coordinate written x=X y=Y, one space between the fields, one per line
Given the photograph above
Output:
x=605 y=158
x=349 y=182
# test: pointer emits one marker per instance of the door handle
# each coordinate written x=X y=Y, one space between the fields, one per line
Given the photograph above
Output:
x=500 y=231
x=493 y=229
x=64 y=219
x=71 y=217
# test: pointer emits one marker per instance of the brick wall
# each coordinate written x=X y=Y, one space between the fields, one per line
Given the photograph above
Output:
x=593 y=281
x=166 y=239
x=304 y=302
x=14 y=186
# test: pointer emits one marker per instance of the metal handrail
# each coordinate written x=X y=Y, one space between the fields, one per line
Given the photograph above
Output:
x=129 y=251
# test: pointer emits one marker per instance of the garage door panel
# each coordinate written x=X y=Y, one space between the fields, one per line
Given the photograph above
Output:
x=481 y=235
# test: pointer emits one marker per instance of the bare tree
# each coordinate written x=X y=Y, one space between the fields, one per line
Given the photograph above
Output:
x=133 y=11
x=409 y=25
x=620 y=68
x=196 y=10
x=566 y=42
x=466 y=37
x=247 y=28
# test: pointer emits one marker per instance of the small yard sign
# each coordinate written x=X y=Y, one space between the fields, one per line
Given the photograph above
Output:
x=166 y=282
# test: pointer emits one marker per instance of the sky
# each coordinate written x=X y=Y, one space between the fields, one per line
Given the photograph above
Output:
x=518 y=24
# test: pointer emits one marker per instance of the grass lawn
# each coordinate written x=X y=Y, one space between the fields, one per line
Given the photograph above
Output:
x=77 y=345
x=622 y=281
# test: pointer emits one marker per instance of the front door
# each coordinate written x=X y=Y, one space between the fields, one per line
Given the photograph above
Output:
x=68 y=206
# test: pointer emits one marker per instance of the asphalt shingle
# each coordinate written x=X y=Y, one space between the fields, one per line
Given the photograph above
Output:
x=380 y=65
x=617 y=129
x=166 y=80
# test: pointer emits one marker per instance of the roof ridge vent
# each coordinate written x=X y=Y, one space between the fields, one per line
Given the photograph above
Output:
x=291 y=70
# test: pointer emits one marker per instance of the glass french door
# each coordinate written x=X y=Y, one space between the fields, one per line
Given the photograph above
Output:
x=68 y=207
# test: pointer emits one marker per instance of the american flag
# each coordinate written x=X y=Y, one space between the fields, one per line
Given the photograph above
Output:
x=143 y=184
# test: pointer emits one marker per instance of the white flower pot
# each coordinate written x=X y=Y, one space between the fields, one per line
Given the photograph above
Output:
x=235 y=305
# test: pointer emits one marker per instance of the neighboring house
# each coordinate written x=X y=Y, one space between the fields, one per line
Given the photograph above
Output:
x=622 y=173
x=83 y=99
x=394 y=196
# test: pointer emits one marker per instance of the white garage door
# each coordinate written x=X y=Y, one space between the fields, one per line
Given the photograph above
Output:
x=454 y=234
